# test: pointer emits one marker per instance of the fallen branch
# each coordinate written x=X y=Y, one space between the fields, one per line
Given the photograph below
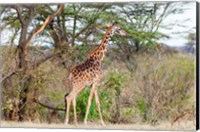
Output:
x=181 y=116
x=48 y=106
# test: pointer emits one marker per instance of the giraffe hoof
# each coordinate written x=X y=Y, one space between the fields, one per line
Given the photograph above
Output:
x=85 y=123
x=76 y=123
x=66 y=123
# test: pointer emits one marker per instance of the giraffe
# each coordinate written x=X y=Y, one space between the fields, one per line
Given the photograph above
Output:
x=89 y=73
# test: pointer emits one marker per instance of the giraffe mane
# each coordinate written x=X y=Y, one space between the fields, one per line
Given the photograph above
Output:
x=104 y=38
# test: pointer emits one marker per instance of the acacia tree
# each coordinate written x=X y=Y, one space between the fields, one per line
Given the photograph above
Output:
x=26 y=22
x=25 y=15
x=142 y=22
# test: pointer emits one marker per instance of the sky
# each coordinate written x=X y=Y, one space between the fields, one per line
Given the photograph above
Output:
x=190 y=24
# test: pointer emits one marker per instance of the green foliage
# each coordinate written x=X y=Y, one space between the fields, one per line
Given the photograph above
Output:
x=116 y=81
x=82 y=100
x=16 y=24
x=128 y=112
x=142 y=106
x=79 y=53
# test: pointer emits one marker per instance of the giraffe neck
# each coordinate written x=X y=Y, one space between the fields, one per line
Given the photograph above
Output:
x=99 y=53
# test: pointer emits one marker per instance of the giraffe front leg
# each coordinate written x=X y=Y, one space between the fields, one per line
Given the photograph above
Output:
x=89 y=103
x=99 y=107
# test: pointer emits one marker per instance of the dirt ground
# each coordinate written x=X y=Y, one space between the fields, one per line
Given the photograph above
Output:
x=187 y=125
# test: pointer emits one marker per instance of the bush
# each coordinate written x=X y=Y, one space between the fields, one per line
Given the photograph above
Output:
x=116 y=82
x=82 y=100
x=163 y=86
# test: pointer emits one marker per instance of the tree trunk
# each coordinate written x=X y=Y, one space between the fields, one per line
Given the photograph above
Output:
x=22 y=58
x=23 y=64
x=24 y=85
x=23 y=99
x=23 y=51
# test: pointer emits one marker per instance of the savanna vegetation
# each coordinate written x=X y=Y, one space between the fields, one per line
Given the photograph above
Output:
x=143 y=81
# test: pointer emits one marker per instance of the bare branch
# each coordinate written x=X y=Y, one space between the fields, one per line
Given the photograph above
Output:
x=48 y=106
x=41 y=28
x=10 y=74
x=77 y=35
x=35 y=66
x=39 y=62
x=161 y=17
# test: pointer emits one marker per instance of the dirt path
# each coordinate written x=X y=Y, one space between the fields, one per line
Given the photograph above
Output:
x=189 y=125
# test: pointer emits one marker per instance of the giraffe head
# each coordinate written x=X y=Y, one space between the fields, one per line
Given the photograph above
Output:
x=117 y=30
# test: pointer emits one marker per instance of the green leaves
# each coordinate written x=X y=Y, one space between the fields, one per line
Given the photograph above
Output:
x=142 y=106
x=16 y=24
x=82 y=100
x=116 y=80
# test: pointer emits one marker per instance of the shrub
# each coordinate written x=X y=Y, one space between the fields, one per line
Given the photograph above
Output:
x=82 y=100
x=116 y=82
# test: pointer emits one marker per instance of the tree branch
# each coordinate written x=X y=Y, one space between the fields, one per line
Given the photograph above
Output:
x=4 y=25
x=82 y=31
x=35 y=66
x=48 y=106
x=157 y=23
x=19 y=13
x=39 y=62
x=10 y=74
x=41 y=28
x=74 y=24
x=89 y=26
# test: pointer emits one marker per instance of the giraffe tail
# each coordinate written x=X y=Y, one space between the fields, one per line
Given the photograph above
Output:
x=66 y=96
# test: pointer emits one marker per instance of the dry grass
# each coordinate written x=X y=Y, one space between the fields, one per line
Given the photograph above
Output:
x=187 y=125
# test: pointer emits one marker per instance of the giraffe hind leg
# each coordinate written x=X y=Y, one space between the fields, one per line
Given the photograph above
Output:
x=99 y=107
x=89 y=103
